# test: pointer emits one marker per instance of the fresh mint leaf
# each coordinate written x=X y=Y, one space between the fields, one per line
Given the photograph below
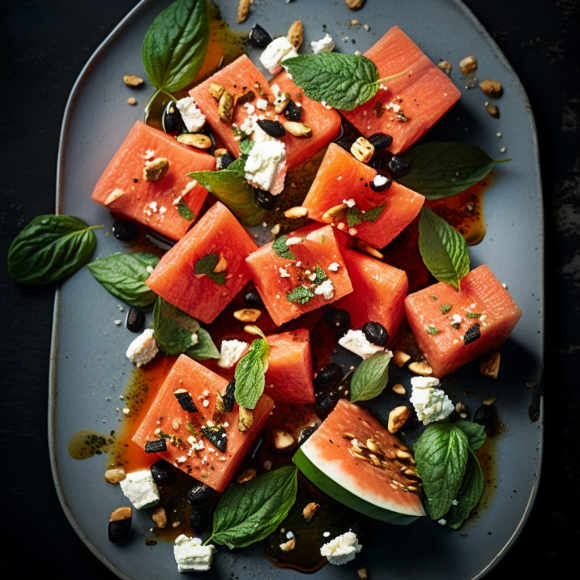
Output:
x=175 y=45
x=249 y=375
x=354 y=216
x=184 y=211
x=320 y=275
x=232 y=189
x=206 y=266
x=441 y=456
x=443 y=248
x=281 y=249
x=433 y=330
x=473 y=315
x=173 y=328
x=249 y=512
x=371 y=376
x=372 y=215
x=445 y=168
x=246 y=146
x=469 y=493
x=205 y=348
x=474 y=432
x=49 y=248
x=300 y=294
x=124 y=276
x=445 y=308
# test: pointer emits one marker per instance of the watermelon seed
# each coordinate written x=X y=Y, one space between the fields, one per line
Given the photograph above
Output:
x=272 y=128
x=421 y=368
x=399 y=389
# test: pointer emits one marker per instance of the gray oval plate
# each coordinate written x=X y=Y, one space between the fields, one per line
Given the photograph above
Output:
x=88 y=362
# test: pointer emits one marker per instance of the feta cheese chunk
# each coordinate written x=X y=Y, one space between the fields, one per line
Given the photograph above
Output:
x=379 y=180
x=278 y=50
x=431 y=404
x=334 y=267
x=326 y=289
x=193 y=118
x=265 y=163
x=143 y=349
x=231 y=353
x=341 y=549
x=140 y=489
x=191 y=556
x=262 y=104
x=349 y=202
x=325 y=44
x=194 y=339
x=356 y=341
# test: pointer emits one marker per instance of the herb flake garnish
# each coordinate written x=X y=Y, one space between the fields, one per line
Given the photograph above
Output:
x=249 y=375
x=354 y=216
x=320 y=275
x=473 y=314
x=372 y=215
x=206 y=266
x=281 y=249
x=300 y=295
x=433 y=330
x=445 y=308
x=184 y=211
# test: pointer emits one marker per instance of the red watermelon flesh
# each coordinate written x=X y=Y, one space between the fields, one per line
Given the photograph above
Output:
x=480 y=294
x=174 y=278
x=424 y=94
x=206 y=464
x=342 y=177
x=125 y=172
x=378 y=294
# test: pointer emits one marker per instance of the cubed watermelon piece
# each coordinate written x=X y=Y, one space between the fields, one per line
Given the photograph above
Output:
x=174 y=279
x=482 y=309
x=276 y=277
x=378 y=294
x=342 y=177
x=153 y=203
x=423 y=95
x=290 y=368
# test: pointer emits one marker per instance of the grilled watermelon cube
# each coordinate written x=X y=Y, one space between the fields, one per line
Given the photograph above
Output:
x=218 y=236
x=453 y=327
x=153 y=203
x=199 y=457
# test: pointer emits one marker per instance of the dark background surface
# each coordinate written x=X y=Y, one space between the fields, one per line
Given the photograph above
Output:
x=43 y=46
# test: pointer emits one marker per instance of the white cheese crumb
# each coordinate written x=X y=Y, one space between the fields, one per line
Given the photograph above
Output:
x=356 y=341
x=149 y=154
x=265 y=163
x=193 y=118
x=117 y=322
x=379 y=180
x=456 y=319
x=191 y=556
x=143 y=349
x=431 y=404
x=262 y=104
x=325 y=44
x=293 y=241
x=231 y=353
x=442 y=521
x=284 y=273
x=149 y=269
x=140 y=489
x=326 y=289
x=276 y=52
x=341 y=549
x=334 y=267
x=349 y=202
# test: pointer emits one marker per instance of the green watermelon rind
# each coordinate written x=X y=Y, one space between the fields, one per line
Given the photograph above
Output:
x=345 y=497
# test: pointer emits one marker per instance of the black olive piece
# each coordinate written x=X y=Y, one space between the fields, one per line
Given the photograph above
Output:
x=398 y=167
x=305 y=434
x=199 y=520
x=135 y=320
x=337 y=319
x=125 y=231
x=163 y=473
x=217 y=436
x=472 y=334
x=258 y=37
x=327 y=402
x=344 y=144
x=272 y=128
x=171 y=119
x=156 y=446
x=120 y=525
x=383 y=187
x=292 y=112
x=230 y=397
x=264 y=199
x=252 y=299
x=329 y=377
x=484 y=416
x=362 y=529
x=380 y=141
x=376 y=333
x=185 y=399
x=224 y=161
x=198 y=494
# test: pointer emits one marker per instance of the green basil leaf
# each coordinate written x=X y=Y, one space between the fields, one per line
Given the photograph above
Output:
x=250 y=374
x=184 y=211
x=354 y=216
x=300 y=295
x=281 y=249
x=343 y=81
x=175 y=45
x=443 y=248
x=205 y=347
x=124 y=275
x=474 y=432
x=249 y=512
x=246 y=145
x=469 y=493
x=320 y=275
x=232 y=189
x=371 y=376
x=206 y=266
x=441 y=456
x=173 y=328
x=372 y=215
x=49 y=248
x=445 y=168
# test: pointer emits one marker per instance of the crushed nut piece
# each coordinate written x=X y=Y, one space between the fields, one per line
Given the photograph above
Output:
x=246 y=475
x=468 y=65
x=399 y=389
x=216 y=90
x=243 y=10
x=245 y=418
x=289 y=545
x=400 y=358
x=195 y=140
x=421 y=368
x=355 y=4
x=460 y=407
x=297 y=129
x=176 y=424
x=349 y=436
x=120 y=514
x=362 y=573
x=368 y=249
x=247 y=314
x=226 y=107
x=176 y=524
x=445 y=66
x=131 y=101
x=251 y=329
x=160 y=517
x=156 y=169
x=335 y=213
x=492 y=110
x=220 y=152
x=279 y=108
x=491 y=88
x=132 y=80
x=489 y=365
x=362 y=149
x=374 y=446
x=245 y=98
x=309 y=511
x=296 y=34
x=114 y=195
x=490 y=401
x=222 y=264
x=296 y=212
x=115 y=475
x=397 y=418
x=282 y=439
x=275 y=230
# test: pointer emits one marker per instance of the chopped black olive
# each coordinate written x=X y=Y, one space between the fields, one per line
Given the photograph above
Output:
x=272 y=128
x=199 y=520
x=398 y=167
x=120 y=525
x=171 y=119
x=472 y=334
x=224 y=161
x=156 y=446
x=382 y=187
x=163 y=473
x=217 y=436
x=327 y=402
x=229 y=397
x=485 y=416
x=198 y=494
x=380 y=141
x=252 y=299
x=293 y=112
x=185 y=399
x=135 y=320
x=329 y=377
x=305 y=434
x=337 y=319
x=258 y=37
x=264 y=199
x=125 y=231
x=376 y=333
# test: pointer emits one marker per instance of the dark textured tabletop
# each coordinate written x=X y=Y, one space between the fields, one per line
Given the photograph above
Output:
x=43 y=46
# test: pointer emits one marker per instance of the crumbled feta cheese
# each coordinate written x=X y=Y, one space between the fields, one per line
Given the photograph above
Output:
x=379 y=180
x=455 y=319
x=284 y=273
x=149 y=154
x=442 y=522
x=191 y=556
x=334 y=267
x=140 y=489
x=265 y=163
x=356 y=341
x=149 y=269
x=143 y=349
x=349 y=202
x=153 y=206
x=341 y=549
x=277 y=51
x=293 y=241
x=326 y=289
x=251 y=109
x=193 y=118
x=231 y=353
x=194 y=339
x=431 y=404
x=325 y=44
x=262 y=104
